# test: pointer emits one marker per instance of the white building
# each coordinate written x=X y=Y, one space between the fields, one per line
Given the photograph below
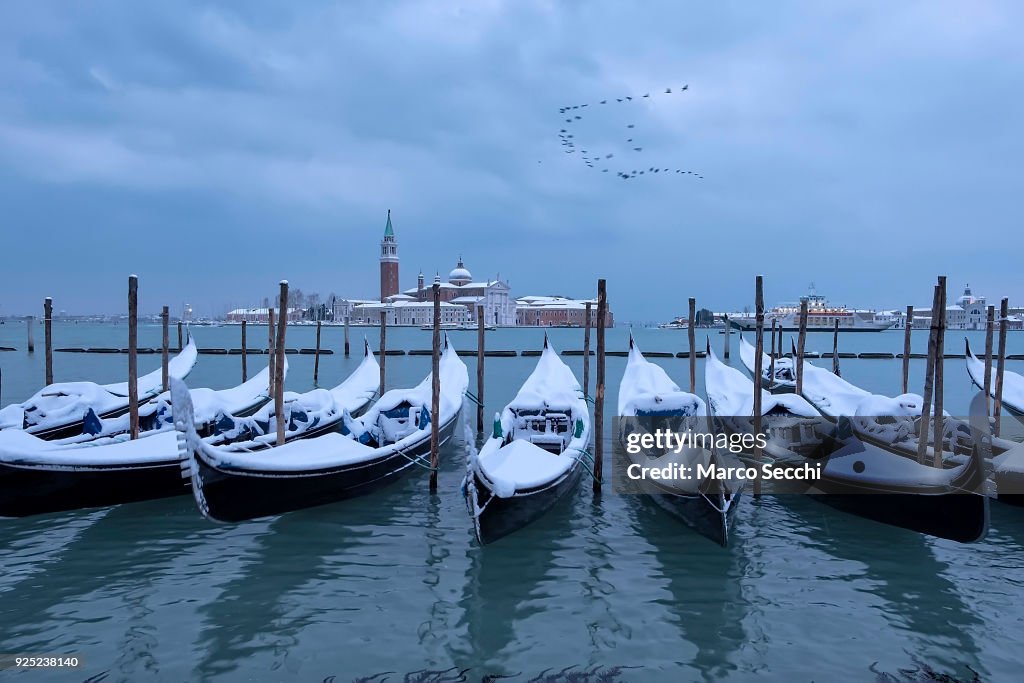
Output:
x=345 y=308
x=260 y=315
x=461 y=290
x=968 y=312
x=557 y=311
x=406 y=312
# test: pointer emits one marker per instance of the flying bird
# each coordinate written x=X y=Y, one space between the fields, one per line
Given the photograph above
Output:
x=578 y=117
x=686 y=86
x=668 y=91
x=631 y=125
x=638 y=149
x=629 y=98
x=604 y=101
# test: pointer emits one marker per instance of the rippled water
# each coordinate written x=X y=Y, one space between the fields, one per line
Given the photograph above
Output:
x=394 y=582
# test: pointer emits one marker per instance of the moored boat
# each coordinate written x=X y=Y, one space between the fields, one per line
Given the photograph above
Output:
x=821 y=317
x=534 y=455
x=234 y=482
x=785 y=375
x=59 y=410
x=38 y=476
x=856 y=475
x=650 y=400
x=1013 y=383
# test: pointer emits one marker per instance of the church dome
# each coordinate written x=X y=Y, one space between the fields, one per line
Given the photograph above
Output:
x=459 y=275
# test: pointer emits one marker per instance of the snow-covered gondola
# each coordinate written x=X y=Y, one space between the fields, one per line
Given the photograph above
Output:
x=534 y=455
x=212 y=406
x=59 y=410
x=235 y=482
x=648 y=400
x=38 y=476
x=856 y=475
x=785 y=375
x=1013 y=383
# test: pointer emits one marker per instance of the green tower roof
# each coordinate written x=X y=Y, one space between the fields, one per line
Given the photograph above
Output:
x=388 y=230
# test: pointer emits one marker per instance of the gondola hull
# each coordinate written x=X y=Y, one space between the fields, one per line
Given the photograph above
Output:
x=235 y=496
x=499 y=517
x=40 y=489
x=710 y=517
x=28 y=491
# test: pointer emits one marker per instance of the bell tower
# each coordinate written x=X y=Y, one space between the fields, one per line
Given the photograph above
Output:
x=388 y=262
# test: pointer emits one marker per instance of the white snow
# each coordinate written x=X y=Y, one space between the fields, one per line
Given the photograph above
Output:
x=519 y=464
x=731 y=393
x=178 y=367
x=67 y=402
x=1013 y=383
x=785 y=375
x=335 y=449
x=522 y=465
x=646 y=386
x=21 y=448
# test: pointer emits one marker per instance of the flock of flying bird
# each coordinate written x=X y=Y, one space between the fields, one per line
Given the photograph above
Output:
x=592 y=159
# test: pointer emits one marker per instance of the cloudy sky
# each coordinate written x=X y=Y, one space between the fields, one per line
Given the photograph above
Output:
x=215 y=148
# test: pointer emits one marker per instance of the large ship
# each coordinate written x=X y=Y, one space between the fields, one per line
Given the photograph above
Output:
x=821 y=317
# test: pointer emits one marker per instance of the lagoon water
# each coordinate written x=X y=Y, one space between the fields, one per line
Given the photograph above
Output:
x=394 y=582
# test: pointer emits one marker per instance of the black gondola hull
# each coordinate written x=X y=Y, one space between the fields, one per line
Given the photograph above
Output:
x=37 y=490
x=235 y=496
x=500 y=517
x=28 y=491
x=961 y=517
x=707 y=516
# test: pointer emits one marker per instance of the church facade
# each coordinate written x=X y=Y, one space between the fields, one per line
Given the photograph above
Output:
x=462 y=290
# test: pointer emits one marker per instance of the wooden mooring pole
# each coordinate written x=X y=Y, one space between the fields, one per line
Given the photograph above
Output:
x=245 y=352
x=835 y=347
x=602 y=316
x=728 y=333
x=908 y=327
x=771 y=359
x=480 y=368
x=587 y=323
x=48 y=337
x=165 y=343
x=133 y=358
x=180 y=347
x=346 y=336
x=271 y=351
x=990 y=328
x=997 y=406
x=940 y=354
x=30 y=326
x=692 y=339
x=383 y=349
x=316 y=356
x=929 y=377
x=282 y=325
x=758 y=370
x=435 y=390
x=801 y=341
